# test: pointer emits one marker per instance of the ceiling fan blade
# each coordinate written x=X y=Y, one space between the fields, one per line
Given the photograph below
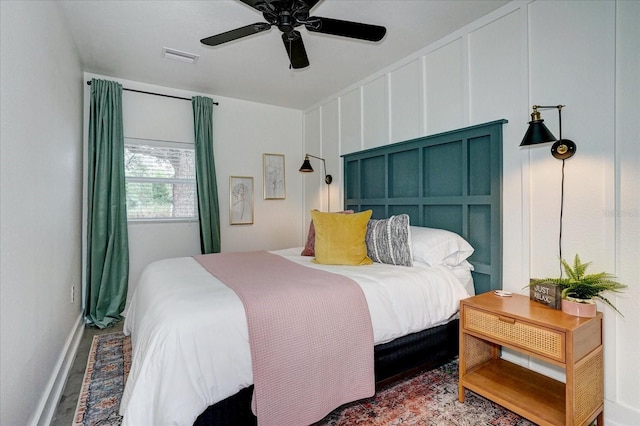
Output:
x=346 y=28
x=235 y=34
x=295 y=49
x=311 y=3
x=259 y=5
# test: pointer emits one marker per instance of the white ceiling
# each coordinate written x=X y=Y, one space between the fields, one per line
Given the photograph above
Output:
x=124 y=39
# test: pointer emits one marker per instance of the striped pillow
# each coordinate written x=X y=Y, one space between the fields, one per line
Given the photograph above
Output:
x=389 y=240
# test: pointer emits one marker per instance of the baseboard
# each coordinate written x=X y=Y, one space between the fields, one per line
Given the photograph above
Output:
x=53 y=392
x=617 y=414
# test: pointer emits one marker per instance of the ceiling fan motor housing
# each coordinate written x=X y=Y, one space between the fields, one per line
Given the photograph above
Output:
x=286 y=22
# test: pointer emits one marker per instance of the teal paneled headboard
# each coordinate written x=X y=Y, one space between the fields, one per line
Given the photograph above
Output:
x=451 y=180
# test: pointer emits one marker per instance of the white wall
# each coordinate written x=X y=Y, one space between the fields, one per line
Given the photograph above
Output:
x=494 y=68
x=242 y=132
x=40 y=209
x=245 y=131
x=582 y=54
x=624 y=211
x=43 y=132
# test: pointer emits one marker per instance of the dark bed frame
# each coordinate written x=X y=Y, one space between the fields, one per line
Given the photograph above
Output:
x=451 y=180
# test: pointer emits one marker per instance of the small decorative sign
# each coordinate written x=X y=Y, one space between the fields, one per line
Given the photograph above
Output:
x=546 y=293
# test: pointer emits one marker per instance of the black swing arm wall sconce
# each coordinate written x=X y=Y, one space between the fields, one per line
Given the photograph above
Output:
x=306 y=168
x=561 y=149
x=539 y=133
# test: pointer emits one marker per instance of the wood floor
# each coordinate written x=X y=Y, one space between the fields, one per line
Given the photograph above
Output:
x=67 y=405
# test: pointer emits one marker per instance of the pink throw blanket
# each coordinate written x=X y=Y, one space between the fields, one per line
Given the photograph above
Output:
x=310 y=334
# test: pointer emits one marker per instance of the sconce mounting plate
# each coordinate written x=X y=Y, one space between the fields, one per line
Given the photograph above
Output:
x=563 y=149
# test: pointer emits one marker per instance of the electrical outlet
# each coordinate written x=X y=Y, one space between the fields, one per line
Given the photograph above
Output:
x=73 y=293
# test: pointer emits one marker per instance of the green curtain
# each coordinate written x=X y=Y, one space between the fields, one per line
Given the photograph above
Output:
x=208 y=208
x=107 y=238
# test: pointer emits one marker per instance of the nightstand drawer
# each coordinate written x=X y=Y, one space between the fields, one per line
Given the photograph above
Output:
x=510 y=331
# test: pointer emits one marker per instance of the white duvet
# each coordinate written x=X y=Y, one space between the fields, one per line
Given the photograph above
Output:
x=189 y=332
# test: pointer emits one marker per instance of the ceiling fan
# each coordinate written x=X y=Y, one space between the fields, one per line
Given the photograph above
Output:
x=289 y=14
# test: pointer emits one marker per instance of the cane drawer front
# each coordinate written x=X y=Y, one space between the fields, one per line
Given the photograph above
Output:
x=511 y=331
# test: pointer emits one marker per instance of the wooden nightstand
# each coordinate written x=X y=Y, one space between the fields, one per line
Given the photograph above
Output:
x=488 y=322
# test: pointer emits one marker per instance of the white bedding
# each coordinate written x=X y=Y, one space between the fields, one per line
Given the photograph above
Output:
x=190 y=340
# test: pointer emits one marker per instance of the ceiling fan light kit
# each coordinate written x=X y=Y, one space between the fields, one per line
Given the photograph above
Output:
x=289 y=14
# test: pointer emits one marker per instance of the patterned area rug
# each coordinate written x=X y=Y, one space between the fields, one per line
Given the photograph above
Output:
x=104 y=378
x=429 y=398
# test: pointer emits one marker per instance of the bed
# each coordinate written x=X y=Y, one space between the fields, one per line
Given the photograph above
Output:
x=450 y=181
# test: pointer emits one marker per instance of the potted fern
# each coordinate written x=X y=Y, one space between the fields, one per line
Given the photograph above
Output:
x=578 y=290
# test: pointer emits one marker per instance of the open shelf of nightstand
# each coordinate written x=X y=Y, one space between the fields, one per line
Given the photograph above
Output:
x=526 y=392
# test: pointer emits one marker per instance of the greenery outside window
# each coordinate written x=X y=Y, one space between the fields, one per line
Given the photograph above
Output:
x=160 y=180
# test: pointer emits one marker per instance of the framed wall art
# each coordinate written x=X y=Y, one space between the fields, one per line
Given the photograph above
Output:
x=273 y=176
x=240 y=200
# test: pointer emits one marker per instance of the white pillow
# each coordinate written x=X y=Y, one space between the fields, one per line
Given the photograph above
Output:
x=438 y=246
x=463 y=274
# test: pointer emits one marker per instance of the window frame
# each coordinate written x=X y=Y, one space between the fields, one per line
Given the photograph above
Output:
x=137 y=179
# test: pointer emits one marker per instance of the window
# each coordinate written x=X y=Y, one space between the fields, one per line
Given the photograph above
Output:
x=160 y=180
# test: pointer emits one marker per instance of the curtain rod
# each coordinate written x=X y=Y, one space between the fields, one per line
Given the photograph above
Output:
x=152 y=93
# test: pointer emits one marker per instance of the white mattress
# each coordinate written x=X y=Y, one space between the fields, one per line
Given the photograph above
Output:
x=190 y=339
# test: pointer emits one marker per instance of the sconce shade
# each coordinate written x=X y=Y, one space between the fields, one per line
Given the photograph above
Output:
x=306 y=168
x=537 y=133
x=306 y=165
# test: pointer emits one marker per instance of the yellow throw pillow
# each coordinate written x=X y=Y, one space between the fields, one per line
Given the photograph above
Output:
x=340 y=238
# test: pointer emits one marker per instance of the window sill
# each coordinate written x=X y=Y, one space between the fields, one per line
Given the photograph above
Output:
x=158 y=221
